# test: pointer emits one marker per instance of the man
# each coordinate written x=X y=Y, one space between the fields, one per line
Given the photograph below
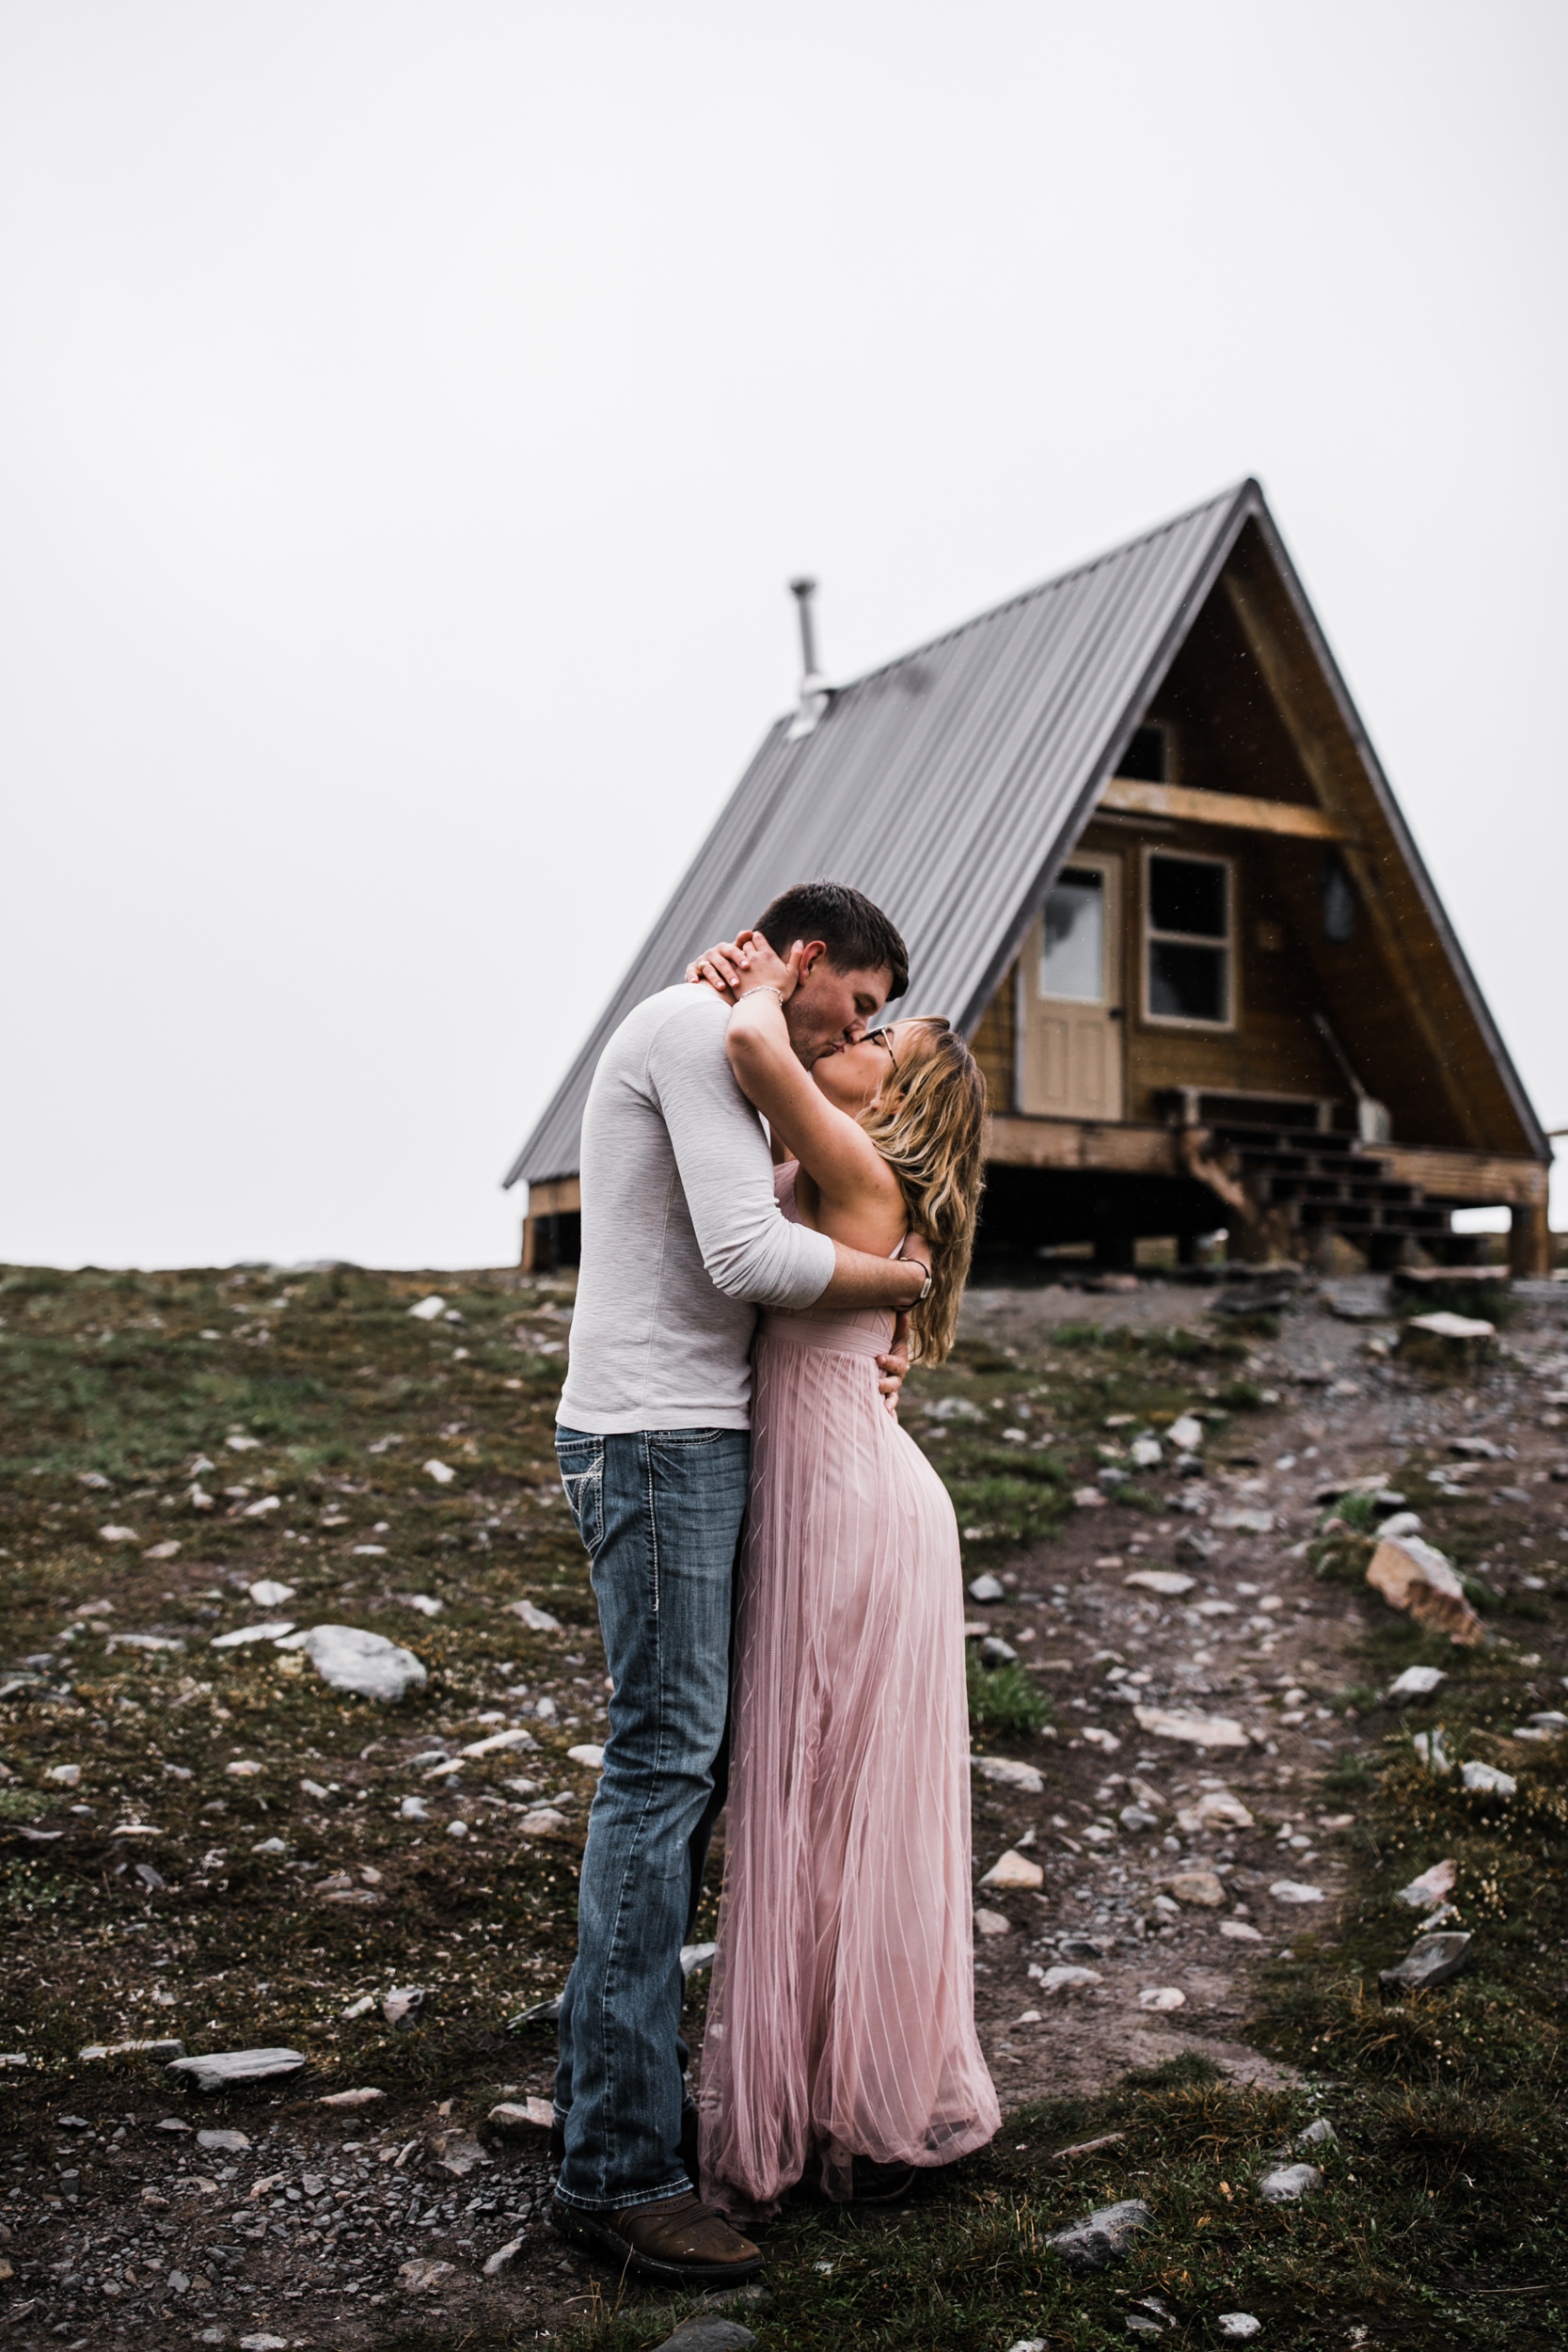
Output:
x=682 y=1241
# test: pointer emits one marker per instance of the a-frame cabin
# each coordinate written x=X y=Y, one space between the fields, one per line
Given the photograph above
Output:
x=1141 y=850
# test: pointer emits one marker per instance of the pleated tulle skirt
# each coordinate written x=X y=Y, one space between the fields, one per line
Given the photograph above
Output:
x=841 y=2018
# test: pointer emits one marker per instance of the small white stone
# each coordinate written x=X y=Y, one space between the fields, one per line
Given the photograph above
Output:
x=268 y=1594
x=440 y=1472
x=544 y=1822
x=244 y=1767
x=1417 y=1682
x=1487 y=1780
x=1237 y=2326
x=1287 y=2182
x=588 y=1754
x=427 y=1310
x=1008 y=1774
x=537 y=1620
x=1201 y=1731
x=1054 y=1979
x=1239 y=1931
x=1295 y=1891
x=1434 y=1885
x=991 y=1923
x=272 y=1630
x=1161 y=1996
x=425 y=1602
x=119 y=1534
x=349 y=1659
x=67 y=1774
x=1014 y=1869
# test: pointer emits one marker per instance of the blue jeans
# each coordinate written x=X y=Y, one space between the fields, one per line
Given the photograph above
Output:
x=659 y=1511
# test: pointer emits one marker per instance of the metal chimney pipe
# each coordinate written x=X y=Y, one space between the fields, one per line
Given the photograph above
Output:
x=814 y=685
x=803 y=591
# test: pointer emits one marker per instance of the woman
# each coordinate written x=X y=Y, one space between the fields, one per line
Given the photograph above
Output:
x=841 y=2026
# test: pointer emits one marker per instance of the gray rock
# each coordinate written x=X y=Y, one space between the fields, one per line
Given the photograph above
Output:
x=168 y=2049
x=995 y=1652
x=1320 y=2133
x=228 y=2143
x=1236 y=2325
x=1288 y=2181
x=457 y=2152
x=221 y=2067
x=350 y=1659
x=697 y=1958
x=1487 y=1780
x=1008 y=1774
x=986 y=1588
x=542 y=2014
x=709 y=2335
x=420 y=2276
x=1102 y=2236
x=502 y=2259
x=1432 y=1960
x=402 y=2005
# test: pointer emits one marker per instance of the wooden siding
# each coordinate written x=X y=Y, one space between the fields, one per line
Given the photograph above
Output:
x=995 y=1042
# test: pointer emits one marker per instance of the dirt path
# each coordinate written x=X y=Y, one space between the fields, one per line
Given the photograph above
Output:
x=1258 y=1641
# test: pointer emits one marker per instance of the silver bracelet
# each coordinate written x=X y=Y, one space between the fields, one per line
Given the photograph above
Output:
x=763 y=988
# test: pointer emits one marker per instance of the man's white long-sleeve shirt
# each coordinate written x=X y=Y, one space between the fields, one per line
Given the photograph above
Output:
x=682 y=1238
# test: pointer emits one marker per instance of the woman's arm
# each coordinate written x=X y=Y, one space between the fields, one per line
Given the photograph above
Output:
x=859 y=1191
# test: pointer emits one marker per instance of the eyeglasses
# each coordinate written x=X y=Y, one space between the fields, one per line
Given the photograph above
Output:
x=884 y=1038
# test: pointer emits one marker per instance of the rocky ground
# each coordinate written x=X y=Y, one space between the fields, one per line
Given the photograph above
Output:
x=1187 y=1781
x=1153 y=1883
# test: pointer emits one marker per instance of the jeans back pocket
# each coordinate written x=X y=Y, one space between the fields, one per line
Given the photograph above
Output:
x=581 y=1460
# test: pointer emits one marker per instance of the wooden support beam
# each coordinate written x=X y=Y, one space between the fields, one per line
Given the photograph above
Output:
x=1238 y=811
x=1529 y=1239
x=1126 y=1151
x=1479 y=1180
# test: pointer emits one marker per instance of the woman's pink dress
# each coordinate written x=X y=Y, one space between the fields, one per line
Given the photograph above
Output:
x=841 y=2019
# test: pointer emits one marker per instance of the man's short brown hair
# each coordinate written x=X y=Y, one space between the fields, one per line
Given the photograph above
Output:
x=857 y=935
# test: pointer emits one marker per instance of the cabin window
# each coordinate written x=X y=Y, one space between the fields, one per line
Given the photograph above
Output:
x=1145 y=760
x=1072 y=937
x=1188 y=939
x=1339 y=897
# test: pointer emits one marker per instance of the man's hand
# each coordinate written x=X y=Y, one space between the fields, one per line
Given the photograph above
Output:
x=894 y=1365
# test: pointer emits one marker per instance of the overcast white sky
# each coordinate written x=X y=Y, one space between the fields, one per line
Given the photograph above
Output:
x=411 y=414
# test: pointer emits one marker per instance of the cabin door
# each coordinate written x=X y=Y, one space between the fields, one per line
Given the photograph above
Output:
x=1069 y=997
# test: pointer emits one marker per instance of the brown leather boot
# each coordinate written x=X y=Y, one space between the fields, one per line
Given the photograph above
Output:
x=679 y=2238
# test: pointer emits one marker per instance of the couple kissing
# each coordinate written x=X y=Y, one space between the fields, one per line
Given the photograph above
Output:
x=777 y=1573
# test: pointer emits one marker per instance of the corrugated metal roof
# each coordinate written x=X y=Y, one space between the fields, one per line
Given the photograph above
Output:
x=948 y=785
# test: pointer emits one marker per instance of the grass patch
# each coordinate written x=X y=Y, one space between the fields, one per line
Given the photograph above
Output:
x=1004 y=1698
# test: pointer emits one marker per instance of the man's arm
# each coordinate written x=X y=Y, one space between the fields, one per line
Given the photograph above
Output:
x=863 y=1281
x=748 y=1248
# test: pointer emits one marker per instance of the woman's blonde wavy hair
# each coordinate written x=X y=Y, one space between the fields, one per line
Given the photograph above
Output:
x=927 y=1123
